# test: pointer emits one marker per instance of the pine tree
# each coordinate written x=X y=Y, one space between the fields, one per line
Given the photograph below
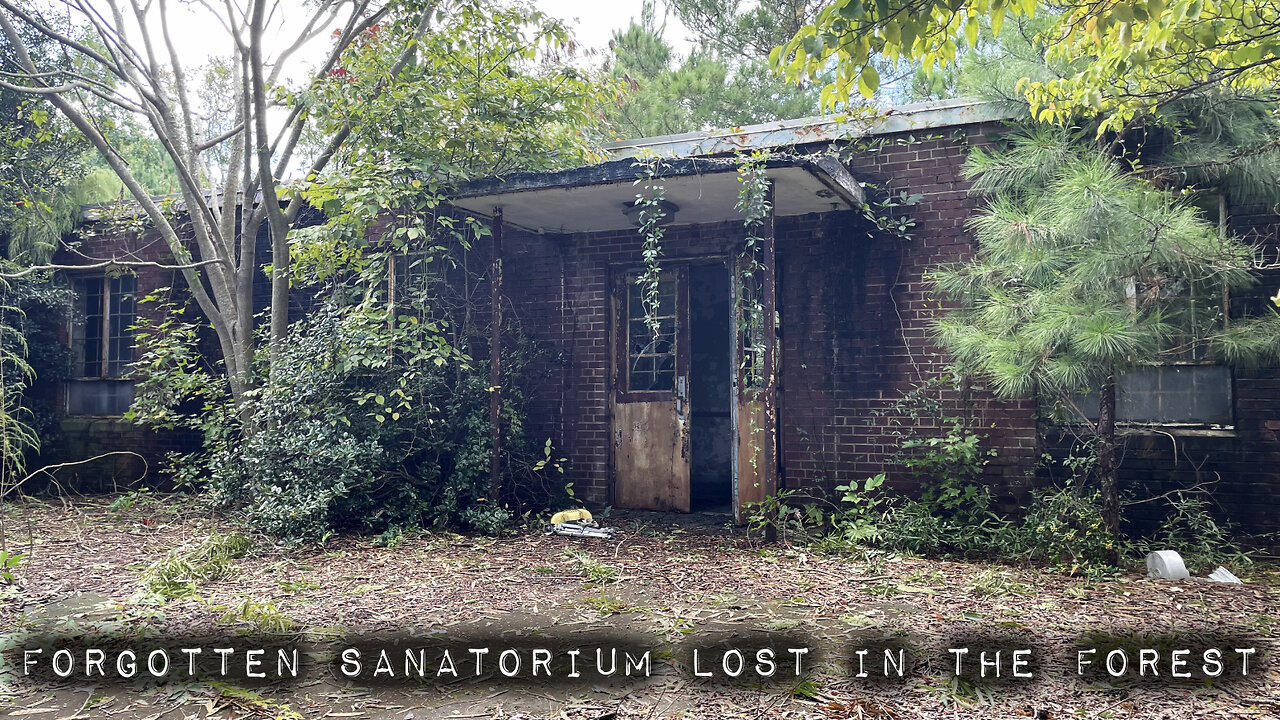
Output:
x=720 y=84
x=1086 y=270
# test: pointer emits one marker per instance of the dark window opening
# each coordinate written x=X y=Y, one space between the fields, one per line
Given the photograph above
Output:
x=102 y=345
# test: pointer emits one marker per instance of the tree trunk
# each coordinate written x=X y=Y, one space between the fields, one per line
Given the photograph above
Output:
x=1106 y=470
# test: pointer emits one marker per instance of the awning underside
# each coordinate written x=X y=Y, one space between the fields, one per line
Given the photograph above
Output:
x=705 y=190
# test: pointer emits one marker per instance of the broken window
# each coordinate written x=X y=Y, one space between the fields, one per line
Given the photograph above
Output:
x=102 y=345
x=1182 y=394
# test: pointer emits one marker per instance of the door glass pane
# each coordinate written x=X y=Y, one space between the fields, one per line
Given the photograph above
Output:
x=651 y=360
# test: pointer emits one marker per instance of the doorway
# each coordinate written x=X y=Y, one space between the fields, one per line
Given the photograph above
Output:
x=675 y=411
x=710 y=374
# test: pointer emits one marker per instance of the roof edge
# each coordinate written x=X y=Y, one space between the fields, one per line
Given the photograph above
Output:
x=902 y=118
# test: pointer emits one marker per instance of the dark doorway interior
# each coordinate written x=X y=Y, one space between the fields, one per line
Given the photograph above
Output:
x=710 y=367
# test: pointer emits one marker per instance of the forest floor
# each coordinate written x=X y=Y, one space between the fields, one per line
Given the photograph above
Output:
x=667 y=583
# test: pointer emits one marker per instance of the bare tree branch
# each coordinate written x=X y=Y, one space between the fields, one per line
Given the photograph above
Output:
x=114 y=262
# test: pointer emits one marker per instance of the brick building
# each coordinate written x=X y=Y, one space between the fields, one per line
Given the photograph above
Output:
x=676 y=423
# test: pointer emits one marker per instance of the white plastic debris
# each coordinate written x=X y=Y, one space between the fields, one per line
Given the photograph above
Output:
x=1166 y=565
x=1224 y=575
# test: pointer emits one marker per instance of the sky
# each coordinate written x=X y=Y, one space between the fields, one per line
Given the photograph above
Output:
x=597 y=19
x=593 y=20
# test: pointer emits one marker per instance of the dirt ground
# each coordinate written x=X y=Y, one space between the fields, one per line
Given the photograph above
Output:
x=674 y=583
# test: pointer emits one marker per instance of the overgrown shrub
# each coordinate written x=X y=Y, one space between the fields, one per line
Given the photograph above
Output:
x=351 y=432
x=1190 y=528
x=1063 y=528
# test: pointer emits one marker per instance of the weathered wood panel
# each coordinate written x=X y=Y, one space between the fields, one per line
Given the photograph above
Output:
x=752 y=439
x=650 y=451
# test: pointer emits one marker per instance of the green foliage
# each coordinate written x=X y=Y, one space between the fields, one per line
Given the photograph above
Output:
x=258 y=618
x=650 y=214
x=592 y=570
x=178 y=573
x=149 y=162
x=858 y=514
x=41 y=164
x=755 y=203
x=176 y=384
x=994 y=582
x=8 y=563
x=1084 y=271
x=486 y=520
x=724 y=82
x=490 y=90
x=1130 y=59
x=1123 y=61
x=360 y=427
x=1063 y=528
x=1189 y=528
x=16 y=436
x=390 y=537
x=851 y=33
x=304 y=454
x=371 y=415
x=32 y=313
x=787 y=514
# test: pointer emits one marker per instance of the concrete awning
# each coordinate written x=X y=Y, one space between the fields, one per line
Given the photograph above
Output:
x=705 y=190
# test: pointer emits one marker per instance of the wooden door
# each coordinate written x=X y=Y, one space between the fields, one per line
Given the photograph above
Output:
x=651 y=395
x=750 y=472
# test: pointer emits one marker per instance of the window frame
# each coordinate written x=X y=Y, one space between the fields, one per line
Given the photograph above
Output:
x=111 y=342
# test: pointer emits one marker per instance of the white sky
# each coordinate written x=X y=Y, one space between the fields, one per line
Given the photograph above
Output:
x=597 y=19
x=200 y=37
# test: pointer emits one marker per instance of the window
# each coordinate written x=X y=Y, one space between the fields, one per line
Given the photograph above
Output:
x=102 y=346
x=1183 y=394
x=651 y=361
x=1185 y=386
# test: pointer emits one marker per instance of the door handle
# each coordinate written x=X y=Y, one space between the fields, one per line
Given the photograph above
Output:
x=681 y=394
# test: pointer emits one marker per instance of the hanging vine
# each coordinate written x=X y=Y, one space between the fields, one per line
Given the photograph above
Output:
x=650 y=203
x=754 y=204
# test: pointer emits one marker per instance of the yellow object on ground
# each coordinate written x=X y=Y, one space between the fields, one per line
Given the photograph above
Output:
x=581 y=515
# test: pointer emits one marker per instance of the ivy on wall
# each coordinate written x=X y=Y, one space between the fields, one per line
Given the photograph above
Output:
x=650 y=201
x=755 y=205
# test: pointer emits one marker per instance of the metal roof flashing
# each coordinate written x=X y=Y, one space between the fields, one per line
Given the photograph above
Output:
x=786 y=133
x=697 y=171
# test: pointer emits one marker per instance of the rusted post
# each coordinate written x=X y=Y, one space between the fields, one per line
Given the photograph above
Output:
x=495 y=360
x=769 y=307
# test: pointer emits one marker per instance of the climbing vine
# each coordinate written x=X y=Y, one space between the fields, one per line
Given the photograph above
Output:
x=650 y=202
x=755 y=205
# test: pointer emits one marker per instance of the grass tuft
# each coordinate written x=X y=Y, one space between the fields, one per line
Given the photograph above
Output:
x=177 y=574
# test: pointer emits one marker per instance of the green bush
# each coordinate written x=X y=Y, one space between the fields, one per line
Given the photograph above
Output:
x=1062 y=528
x=1191 y=529
x=349 y=436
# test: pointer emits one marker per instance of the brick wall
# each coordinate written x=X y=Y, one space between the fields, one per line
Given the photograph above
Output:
x=854 y=325
x=85 y=436
x=855 y=313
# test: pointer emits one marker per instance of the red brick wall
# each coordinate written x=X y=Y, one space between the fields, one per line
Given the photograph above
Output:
x=845 y=355
x=855 y=313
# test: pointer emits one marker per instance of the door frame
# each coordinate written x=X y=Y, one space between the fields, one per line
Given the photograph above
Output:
x=616 y=276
